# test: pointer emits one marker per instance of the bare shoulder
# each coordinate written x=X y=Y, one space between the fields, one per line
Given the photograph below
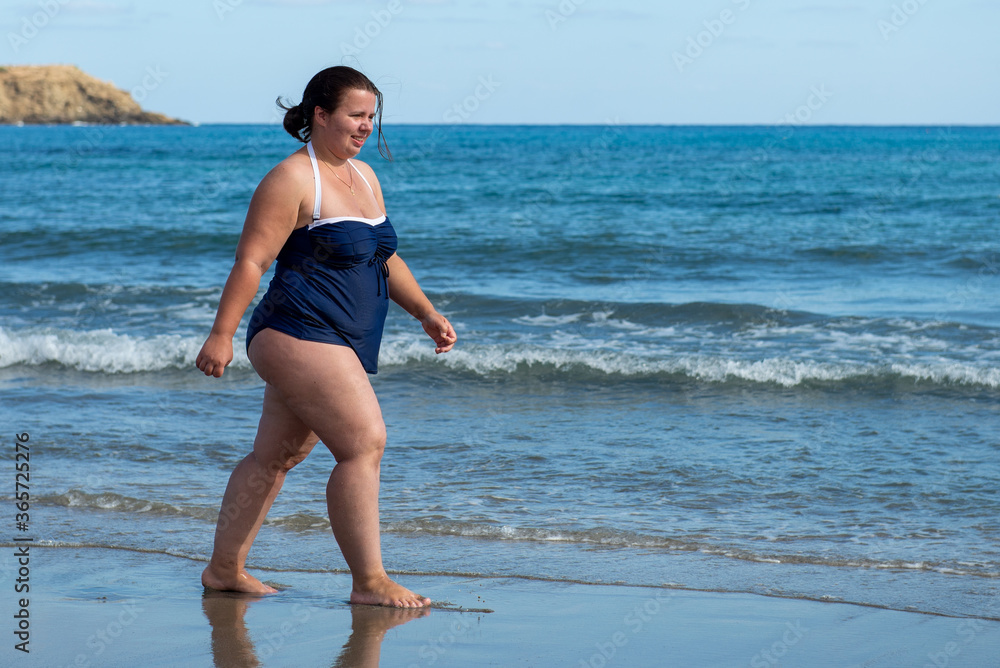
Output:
x=291 y=175
x=365 y=169
x=282 y=197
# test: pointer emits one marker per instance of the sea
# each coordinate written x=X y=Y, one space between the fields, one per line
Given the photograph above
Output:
x=737 y=359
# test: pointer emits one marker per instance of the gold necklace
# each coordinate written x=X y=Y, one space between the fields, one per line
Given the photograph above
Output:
x=349 y=185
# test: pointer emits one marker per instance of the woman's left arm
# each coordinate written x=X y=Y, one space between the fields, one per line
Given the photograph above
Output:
x=403 y=290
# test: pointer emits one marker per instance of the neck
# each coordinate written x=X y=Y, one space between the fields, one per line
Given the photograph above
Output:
x=322 y=153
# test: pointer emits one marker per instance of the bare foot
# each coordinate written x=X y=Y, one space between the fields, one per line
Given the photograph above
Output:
x=383 y=591
x=243 y=582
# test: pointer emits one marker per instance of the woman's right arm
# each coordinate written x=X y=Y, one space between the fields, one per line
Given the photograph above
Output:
x=273 y=213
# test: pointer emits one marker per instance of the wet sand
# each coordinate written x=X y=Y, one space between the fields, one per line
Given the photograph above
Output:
x=104 y=607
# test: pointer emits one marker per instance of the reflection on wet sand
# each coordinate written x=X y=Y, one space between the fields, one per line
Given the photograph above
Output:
x=232 y=646
x=368 y=626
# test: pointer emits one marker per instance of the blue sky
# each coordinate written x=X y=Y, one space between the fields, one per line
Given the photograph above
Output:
x=538 y=61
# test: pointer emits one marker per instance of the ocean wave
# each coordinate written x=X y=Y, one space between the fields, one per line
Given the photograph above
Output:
x=537 y=361
x=565 y=357
x=102 y=351
x=600 y=537
x=110 y=501
x=612 y=538
x=75 y=498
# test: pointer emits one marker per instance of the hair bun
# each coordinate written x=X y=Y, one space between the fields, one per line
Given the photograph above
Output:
x=295 y=121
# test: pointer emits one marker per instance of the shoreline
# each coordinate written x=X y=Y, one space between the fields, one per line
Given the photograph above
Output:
x=104 y=606
x=273 y=574
x=177 y=534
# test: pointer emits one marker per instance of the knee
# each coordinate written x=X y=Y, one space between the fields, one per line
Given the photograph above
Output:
x=286 y=464
x=287 y=457
x=373 y=441
x=368 y=443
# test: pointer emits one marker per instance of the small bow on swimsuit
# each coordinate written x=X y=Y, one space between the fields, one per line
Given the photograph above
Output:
x=383 y=270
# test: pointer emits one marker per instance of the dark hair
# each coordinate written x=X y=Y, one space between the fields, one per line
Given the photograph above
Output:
x=326 y=90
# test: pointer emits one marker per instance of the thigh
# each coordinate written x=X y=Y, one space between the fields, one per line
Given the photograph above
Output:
x=283 y=440
x=324 y=386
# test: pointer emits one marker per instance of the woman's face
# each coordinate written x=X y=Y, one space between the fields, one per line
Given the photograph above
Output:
x=351 y=123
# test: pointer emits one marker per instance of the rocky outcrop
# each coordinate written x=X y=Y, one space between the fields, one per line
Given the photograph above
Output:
x=44 y=94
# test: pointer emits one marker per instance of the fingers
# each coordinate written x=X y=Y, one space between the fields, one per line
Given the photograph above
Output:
x=440 y=331
x=446 y=340
x=210 y=367
x=214 y=370
x=214 y=356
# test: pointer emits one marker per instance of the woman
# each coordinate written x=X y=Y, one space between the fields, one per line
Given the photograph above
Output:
x=316 y=333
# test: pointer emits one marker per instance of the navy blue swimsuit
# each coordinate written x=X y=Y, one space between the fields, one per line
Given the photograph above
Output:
x=331 y=282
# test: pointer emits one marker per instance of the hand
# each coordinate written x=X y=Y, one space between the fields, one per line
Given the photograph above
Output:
x=215 y=355
x=439 y=329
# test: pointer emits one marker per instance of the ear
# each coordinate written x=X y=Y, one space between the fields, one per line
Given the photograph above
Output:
x=320 y=116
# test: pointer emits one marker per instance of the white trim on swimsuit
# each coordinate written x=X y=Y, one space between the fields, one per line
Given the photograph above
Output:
x=318 y=197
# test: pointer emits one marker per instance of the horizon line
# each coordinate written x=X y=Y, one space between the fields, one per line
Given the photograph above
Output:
x=687 y=125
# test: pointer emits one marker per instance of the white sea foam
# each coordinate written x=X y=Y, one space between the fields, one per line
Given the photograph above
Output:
x=492 y=359
x=105 y=351
x=549 y=320
x=102 y=350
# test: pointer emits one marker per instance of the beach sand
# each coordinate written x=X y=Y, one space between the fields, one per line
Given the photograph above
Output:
x=104 y=607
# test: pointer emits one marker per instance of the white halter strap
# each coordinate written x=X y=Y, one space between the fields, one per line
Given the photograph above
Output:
x=319 y=184
x=318 y=199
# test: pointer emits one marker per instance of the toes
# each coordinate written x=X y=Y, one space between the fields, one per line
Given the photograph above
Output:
x=390 y=594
